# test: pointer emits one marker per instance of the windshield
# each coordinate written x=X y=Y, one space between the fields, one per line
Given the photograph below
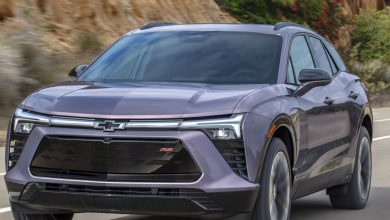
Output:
x=194 y=57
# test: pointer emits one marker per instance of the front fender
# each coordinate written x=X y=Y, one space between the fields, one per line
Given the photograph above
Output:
x=258 y=132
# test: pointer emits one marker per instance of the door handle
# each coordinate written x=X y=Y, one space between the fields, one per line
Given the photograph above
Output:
x=353 y=95
x=328 y=101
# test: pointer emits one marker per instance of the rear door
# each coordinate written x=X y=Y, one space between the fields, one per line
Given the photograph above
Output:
x=345 y=93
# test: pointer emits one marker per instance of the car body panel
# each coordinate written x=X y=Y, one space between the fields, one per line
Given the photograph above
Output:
x=138 y=100
x=215 y=177
x=323 y=136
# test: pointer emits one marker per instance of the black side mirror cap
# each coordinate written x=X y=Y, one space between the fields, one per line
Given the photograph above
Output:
x=77 y=71
x=311 y=78
x=311 y=75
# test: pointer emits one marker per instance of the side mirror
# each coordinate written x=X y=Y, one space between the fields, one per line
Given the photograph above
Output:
x=311 y=75
x=76 y=72
x=311 y=78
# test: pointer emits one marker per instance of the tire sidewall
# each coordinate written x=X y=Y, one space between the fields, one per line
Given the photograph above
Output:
x=355 y=177
x=261 y=209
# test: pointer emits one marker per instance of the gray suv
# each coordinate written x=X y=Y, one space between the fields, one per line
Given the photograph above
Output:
x=204 y=120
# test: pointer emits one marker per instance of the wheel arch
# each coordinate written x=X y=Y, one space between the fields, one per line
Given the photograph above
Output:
x=284 y=133
x=366 y=120
x=367 y=123
x=282 y=127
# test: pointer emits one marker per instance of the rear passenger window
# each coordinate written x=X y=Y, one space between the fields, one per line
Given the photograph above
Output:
x=300 y=55
x=320 y=55
x=336 y=57
x=332 y=63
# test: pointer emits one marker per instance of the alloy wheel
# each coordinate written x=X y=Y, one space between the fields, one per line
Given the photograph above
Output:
x=279 y=188
x=364 y=168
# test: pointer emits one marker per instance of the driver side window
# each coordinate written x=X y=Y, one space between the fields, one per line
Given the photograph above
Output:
x=300 y=56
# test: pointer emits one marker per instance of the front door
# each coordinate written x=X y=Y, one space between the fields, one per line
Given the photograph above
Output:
x=315 y=167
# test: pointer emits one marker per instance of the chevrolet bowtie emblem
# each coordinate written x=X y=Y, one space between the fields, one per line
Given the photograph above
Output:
x=110 y=125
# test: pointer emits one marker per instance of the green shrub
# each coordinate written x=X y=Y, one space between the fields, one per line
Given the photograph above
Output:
x=370 y=54
x=375 y=72
x=371 y=37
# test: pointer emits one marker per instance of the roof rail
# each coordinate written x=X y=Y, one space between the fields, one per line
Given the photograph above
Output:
x=281 y=25
x=156 y=24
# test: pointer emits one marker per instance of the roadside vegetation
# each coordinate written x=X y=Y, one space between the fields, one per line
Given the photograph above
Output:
x=27 y=63
x=368 y=53
x=324 y=16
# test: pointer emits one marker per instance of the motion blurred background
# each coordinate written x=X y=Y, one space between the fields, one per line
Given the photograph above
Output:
x=41 y=40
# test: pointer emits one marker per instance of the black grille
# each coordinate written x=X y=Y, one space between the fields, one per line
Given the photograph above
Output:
x=234 y=153
x=16 y=145
x=197 y=196
x=114 y=159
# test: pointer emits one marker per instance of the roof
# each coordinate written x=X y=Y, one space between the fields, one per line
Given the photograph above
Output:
x=255 y=28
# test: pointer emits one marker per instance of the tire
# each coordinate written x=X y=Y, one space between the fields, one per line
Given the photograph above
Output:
x=274 y=199
x=22 y=216
x=355 y=194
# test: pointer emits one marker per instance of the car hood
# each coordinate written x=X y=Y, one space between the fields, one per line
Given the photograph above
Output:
x=137 y=100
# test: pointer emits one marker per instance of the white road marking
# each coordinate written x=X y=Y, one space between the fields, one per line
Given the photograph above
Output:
x=380 y=108
x=381 y=138
x=2 y=174
x=382 y=120
x=6 y=209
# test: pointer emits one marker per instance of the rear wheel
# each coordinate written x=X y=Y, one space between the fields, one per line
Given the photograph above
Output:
x=356 y=193
x=273 y=202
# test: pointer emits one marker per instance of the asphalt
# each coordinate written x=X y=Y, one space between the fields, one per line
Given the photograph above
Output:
x=316 y=206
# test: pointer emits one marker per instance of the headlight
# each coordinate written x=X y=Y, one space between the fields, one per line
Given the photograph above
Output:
x=219 y=128
x=224 y=128
x=24 y=127
x=25 y=121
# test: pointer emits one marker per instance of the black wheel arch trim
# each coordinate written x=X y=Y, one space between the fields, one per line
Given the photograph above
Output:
x=366 y=111
x=282 y=120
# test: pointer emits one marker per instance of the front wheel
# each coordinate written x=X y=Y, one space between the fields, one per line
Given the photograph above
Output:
x=273 y=202
x=358 y=190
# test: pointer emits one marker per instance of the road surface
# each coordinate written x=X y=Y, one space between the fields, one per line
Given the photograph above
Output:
x=316 y=206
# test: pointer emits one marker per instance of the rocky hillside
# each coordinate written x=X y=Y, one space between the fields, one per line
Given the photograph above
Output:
x=67 y=25
x=356 y=6
x=63 y=24
x=41 y=40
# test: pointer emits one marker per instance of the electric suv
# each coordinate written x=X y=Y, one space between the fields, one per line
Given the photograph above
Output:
x=200 y=120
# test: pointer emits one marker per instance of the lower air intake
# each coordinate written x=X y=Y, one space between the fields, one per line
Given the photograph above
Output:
x=197 y=196
x=233 y=152
x=16 y=145
x=115 y=159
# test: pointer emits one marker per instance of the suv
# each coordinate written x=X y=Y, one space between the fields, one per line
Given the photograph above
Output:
x=212 y=120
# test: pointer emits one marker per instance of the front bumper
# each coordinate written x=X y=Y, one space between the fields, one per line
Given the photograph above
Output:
x=218 y=190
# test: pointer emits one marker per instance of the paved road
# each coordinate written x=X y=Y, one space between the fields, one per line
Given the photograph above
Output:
x=316 y=206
